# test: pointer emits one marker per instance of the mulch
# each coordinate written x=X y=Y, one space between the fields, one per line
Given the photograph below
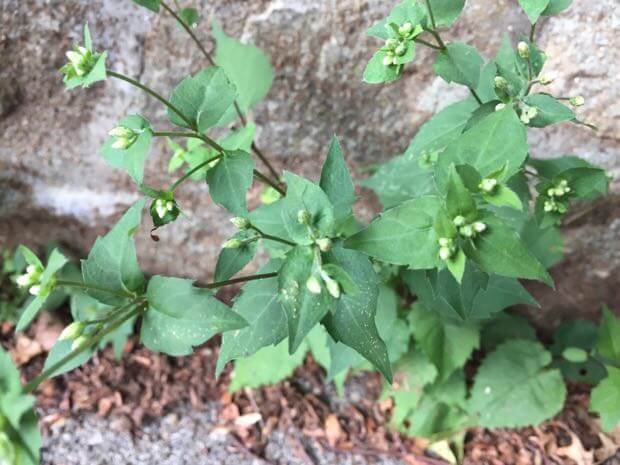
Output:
x=145 y=385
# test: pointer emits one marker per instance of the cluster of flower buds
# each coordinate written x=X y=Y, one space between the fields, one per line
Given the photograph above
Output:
x=447 y=248
x=240 y=223
x=31 y=279
x=528 y=113
x=75 y=332
x=468 y=230
x=524 y=50
x=313 y=284
x=554 y=193
x=397 y=47
x=324 y=244
x=488 y=185
x=81 y=61
x=124 y=137
x=577 y=101
x=164 y=210
x=162 y=207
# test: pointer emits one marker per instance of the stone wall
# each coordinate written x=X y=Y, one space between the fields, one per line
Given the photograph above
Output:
x=55 y=187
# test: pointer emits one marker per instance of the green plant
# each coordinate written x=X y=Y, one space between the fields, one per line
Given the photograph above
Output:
x=460 y=228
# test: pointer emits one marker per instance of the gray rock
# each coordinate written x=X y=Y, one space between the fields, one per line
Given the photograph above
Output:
x=55 y=187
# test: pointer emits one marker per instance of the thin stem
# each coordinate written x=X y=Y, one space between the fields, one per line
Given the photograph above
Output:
x=152 y=93
x=437 y=37
x=260 y=176
x=532 y=32
x=194 y=135
x=198 y=167
x=428 y=44
x=430 y=13
x=241 y=279
x=270 y=237
x=79 y=285
x=209 y=58
x=475 y=95
x=35 y=382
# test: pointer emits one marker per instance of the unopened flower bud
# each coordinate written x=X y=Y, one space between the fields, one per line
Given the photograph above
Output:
x=405 y=29
x=391 y=43
x=500 y=83
x=524 y=50
x=313 y=285
x=304 y=217
x=389 y=60
x=72 y=331
x=549 y=206
x=332 y=287
x=532 y=112
x=545 y=80
x=488 y=185
x=458 y=221
x=35 y=290
x=479 y=226
x=577 y=101
x=466 y=230
x=444 y=242
x=325 y=244
x=31 y=269
x=80 y=342
x=161 y=208
x=23 y=280
x=233 y=243
x=401 y=49
x=500 y=106
x=121 y=131
x=240 y=223
x=445 y=253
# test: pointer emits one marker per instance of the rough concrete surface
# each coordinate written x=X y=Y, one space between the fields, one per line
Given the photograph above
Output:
x=55 y=187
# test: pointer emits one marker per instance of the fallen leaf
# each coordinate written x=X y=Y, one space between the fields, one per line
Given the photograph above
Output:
x=333 y=431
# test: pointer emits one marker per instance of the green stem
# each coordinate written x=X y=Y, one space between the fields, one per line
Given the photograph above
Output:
x=194 y=135
x=430 y=13
x=79 y=285
x=475 y=95
x=428 y=44
x=183 y=178
x=35 y=382
x=209 y=58
x=241 y=279
x=532 y=32
x=152 y=93
x=272 y=238
x=268 y=181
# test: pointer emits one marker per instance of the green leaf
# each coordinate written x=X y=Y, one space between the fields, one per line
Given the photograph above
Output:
x=259 y=305
x=303 y=308
x=446 y=345
x=503 y=327
x=280 y=218
x=498 y=141
x=503 y=196
x=608 y=344
x=246 y=66
x=133 y=158
x=515 y=388
x=500 y=250
x=202 y=99
x=189 y=16
x=402 y=178
x=229 y=181
x=336 y=183
x=550 y=110
x=445 y=12
x=152 y=5
x=60 y=350
x=267 y=366
x=605 y=400
x=546 y=244
x=534 y=8
x=352 y=321
x=377 y=73
x=459 y=201
x=556 y=7
x=442 y=128
x=459 y=63
x=9 y=375
x=575 y=355
x=112 y=262
x=231 y=261
x=55 y=262
x=181 y=316
x=403 y=235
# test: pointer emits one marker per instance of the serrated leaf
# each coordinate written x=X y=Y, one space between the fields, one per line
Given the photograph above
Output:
x=112 y=262
x=531 y=394
x=133 y=158
x=337 y=184
x=498 y=141
x=181 y=316
x=446 y=345
x=303 y=308
x=231 y=261
x=550 y=110
x=403 y=235
x=500 y=250
x=534 y=8
x=259 y=305
x=352 y=321
x=202 y=99
x=229 y=181
x=459 y=63
x=247 y=67
x=605 y=400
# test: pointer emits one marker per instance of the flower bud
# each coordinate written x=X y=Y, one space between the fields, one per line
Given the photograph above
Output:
x=577 y=101
x=445 y=253
x=121 y=131
x=73 y=331
x=80 y=342
x=524 y=50
x=304 y=217
x=32 y=270
x=332 y=287
x=550 y=206
x=545 y=80
x=444 y=242
x=233 y=243
x=391 y=43
x=500 y=106
x=324 y=244
x=23 y=280
x=405 y=29
x=466 y=230
x=240 y=222
x=500 y=83
x=488 y=185
x=35 y=290
x=161 y=208
x=479 y=226
x=458 y=221
x=313 y=285
x=389 y=60
x=401 y=49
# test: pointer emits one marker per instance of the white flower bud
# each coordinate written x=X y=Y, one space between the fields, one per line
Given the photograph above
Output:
x=160 y=208
x=445 y=253
x=524 y=50
x=444 y=242
x=240 y=223
x=577 y=101
x=23 y=280
x=304 y=217
x=500 y=83
x=72 y=331
x=324 y=244
x=313 y=285
x=121 y=131
x=550 y=206
x=388 y=60
x=79 y=342
x=391 y=43
x=405 y=29
x=35 y=290
x=458 y=220
x=233 y=243
x=401 y=49
x=479 y=226
x=532 y=112
x=500 y=106
x=32 y=270
x=466 y=230
x=332 y=287
x=488 y=185
x=169 y=205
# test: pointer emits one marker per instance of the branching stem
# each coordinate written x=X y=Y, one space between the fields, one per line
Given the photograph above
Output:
x=241 y=279
x=85 y=286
